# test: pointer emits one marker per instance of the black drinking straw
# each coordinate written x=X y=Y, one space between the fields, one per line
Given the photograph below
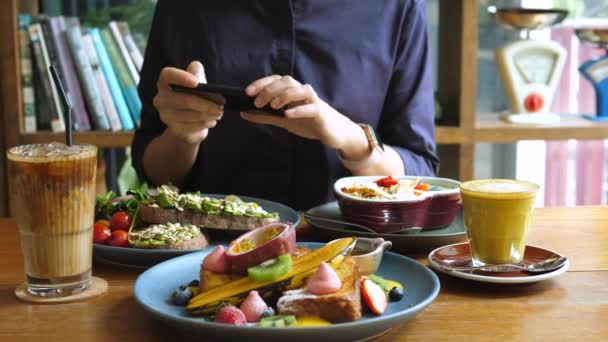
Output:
x=67 y=107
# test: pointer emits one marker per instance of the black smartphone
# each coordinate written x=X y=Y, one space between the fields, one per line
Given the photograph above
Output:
x=232 y=98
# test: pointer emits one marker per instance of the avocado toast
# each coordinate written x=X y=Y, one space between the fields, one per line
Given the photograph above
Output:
x=231 y=213
x=169 y=236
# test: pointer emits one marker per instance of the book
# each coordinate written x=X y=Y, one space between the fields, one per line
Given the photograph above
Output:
x=111 y=79
x=27 y=77
x=104 y=91
x=117 y=35
x=134 y=52
x=68 y=72
x=43 y=63
x=43 y=119
x=53 y=59
x=129 y=89
x=85 y=75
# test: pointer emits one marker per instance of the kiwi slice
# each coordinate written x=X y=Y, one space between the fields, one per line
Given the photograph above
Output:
x=270 y=269
x=277 y=321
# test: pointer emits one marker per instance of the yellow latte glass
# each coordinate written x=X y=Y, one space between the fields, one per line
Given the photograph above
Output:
x=497 y=217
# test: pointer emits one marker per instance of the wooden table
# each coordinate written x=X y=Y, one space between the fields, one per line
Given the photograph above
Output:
x=572 y=306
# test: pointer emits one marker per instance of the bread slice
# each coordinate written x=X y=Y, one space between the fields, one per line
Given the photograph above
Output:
x=157 y=215
x=342 y=306
x=209 y=280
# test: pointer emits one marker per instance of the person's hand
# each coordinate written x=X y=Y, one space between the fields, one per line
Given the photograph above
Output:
x=308 y=116
x=188 y=117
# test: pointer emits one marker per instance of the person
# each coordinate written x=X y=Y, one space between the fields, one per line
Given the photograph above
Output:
x=340 y=68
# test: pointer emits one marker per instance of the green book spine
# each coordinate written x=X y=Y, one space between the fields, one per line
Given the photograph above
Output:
x=27 y=76
x=42 y=66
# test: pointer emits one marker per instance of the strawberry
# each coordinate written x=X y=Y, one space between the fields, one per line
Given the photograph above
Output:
x=231 y=315
x=373 y=296
x=253 y=307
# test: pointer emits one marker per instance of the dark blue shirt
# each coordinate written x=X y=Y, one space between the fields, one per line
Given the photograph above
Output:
x=369 y=60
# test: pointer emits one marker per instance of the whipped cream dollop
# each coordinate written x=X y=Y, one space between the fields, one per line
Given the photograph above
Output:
x=253 y=307
x=324 y=281
x=216 y=261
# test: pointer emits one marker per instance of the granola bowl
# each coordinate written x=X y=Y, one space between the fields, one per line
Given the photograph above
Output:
x=431 y=203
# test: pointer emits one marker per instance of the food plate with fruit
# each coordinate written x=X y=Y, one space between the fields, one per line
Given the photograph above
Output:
x=264 y=286
x=150 y=226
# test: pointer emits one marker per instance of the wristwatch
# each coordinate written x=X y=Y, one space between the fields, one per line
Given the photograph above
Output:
x=372 y=138
x=376 y=149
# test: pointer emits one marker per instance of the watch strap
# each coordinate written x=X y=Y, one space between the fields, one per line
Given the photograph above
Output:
x=372 y=137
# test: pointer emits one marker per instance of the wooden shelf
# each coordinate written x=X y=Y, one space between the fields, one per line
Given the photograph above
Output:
x=490 y=129
x=450 y=135
x=100 y=139
x=443 y=135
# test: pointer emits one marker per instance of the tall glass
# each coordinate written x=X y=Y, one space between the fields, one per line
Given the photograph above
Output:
x=52 y=196
x=497 y=217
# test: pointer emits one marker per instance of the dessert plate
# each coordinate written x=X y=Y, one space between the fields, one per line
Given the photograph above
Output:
x=424 y=240
x=154 y=286
x=140 y=257
x=461 y=254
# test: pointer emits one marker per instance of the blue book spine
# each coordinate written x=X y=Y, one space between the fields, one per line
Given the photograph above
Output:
x=129 y=88
x=108 y=71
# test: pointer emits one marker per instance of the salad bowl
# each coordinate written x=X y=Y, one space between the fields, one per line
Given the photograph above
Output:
x=432 y=206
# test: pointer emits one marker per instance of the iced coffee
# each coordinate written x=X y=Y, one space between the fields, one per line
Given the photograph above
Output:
x=52 y=197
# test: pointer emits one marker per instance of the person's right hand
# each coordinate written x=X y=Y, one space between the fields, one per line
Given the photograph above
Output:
x=188 y=117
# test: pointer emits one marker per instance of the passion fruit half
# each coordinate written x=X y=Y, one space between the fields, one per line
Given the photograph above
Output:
x=261 y=244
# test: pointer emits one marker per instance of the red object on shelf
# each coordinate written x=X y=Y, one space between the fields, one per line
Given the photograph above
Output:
x=534 y=102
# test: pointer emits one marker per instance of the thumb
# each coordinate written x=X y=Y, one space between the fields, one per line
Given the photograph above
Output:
x=197 y=69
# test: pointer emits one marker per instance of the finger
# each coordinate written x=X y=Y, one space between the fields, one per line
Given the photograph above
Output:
x=274 y=89
x=255 y=87
x=303 y=111
x=300 y=95
x=170 y=75
x=197 y=69
x=188 y=116
x=169 y=100
x=264 y=119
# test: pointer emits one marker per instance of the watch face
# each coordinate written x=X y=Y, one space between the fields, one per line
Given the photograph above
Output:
x=536 y=66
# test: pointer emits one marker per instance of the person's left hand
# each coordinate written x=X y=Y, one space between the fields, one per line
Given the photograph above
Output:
x=308 y=116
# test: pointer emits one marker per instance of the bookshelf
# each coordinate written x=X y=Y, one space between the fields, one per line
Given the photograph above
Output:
x=456 y=135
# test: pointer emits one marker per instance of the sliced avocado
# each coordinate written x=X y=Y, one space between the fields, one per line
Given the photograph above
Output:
x=211 y=206
x=188 y=204
x=164 y=201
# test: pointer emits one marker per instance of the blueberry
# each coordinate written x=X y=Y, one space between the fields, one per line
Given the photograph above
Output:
x=268 y=312
x=395 y=294
x=181 y=295
x=193 y=283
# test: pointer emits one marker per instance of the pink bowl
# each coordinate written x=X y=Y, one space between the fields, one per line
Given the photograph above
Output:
x=431 y=210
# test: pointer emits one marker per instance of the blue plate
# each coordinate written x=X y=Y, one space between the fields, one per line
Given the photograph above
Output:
x=139 y=257
x=154 y=286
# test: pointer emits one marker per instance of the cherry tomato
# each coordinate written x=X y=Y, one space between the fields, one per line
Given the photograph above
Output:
x=101 y=232
x=120 y=221
x=386 y=181
x=119 y=238
x=104 y=222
